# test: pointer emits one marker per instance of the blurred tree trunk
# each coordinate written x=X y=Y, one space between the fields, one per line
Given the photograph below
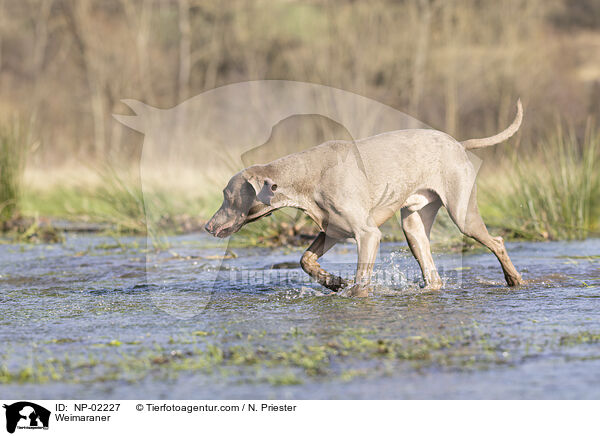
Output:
x=40 y=44
x=2 y=28
x=141 y=17
x=452 y=53
x=185 y=50
x=79 y=15
x=43 y=8
x=420 y=57
x=214 y=54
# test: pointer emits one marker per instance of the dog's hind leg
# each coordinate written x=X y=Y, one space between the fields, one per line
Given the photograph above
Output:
x=471 y=224
x=310 y=265
x=417 y=227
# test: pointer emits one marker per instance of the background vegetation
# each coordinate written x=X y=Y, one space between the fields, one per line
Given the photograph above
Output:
x=457 y=65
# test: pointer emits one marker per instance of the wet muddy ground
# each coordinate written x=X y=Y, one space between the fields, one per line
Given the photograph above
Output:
x=102 y=318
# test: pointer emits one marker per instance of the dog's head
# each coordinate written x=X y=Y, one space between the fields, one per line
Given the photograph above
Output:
x=248 y=196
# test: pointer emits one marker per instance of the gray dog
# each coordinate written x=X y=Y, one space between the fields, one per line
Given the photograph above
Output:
x=350 y=188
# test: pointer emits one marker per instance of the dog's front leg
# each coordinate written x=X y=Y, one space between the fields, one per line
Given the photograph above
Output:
x=368 y=243
x=310 y=265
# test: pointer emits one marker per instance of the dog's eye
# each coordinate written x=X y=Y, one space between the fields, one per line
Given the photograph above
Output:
x=274 y=188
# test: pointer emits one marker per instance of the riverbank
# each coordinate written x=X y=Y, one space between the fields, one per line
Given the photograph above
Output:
x=548 y=190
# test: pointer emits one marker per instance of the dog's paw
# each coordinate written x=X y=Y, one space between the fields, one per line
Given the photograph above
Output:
x=360 y=291
x=434 y=285
x=514 y=280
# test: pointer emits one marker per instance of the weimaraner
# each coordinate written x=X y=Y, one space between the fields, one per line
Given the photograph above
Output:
x=350 y=188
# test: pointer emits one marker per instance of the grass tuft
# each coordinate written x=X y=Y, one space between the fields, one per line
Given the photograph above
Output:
x=13 y=150
x=551 y=192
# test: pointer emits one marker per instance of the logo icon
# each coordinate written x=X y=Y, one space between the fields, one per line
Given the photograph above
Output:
x=26 y=415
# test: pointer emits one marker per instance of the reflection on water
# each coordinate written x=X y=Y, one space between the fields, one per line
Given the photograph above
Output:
x=182 y=323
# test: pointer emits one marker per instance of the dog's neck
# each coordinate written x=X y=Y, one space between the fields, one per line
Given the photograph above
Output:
x=298 y=187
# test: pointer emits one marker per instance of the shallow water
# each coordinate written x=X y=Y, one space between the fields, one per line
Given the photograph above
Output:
x=98 y=318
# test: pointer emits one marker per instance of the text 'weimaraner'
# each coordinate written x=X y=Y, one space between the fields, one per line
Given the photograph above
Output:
x=350 y=188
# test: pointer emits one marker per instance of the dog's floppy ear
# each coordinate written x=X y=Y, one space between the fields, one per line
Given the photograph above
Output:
x=265 y=189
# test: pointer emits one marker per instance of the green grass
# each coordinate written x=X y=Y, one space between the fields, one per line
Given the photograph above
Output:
x=550 y=192
x=13 y=151
x=285 y=359
x=119 y=200
x=115 y=201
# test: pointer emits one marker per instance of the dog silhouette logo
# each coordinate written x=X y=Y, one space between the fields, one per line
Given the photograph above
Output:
x=222 y=131
x=26 y=415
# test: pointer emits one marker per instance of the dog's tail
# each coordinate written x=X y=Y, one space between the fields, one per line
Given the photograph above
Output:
x=500 y=137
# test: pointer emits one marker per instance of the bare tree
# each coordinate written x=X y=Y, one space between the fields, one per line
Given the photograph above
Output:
x=420 y=55
x=451 y=86
x=185 y=49
x=140 y=20
x=2 y=28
